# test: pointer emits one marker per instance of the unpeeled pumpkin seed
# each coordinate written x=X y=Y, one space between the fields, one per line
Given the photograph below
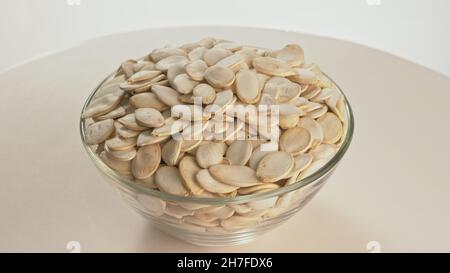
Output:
x=296 y=140
x=102 y=105
x=166 y=95
x=147 y=100
x=239 y=152
x=274 y=166
x=206 y=92
x=272 y=66
x=188 y=171
x=146 y=161
x=119 y=144
x=292 y=54
x=171 y=151
x=331 y=127
x=125 y=132
x=129 y=121
x=166 y=63
x=210 y=184
x=168 y=180
x=209 y=154
x=99 y=131
x=196 y=70
x=149 y=117
x=247 y=86
x=234 y=175
x=147 y=138
x=213 y=55
x=143 y=75
x=184 y=84
x=162 y=53
x=219 y=76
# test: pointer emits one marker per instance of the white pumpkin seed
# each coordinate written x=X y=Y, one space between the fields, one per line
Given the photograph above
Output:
x=99 y=131
x=272 y=66
x=184 y=84
x=170 y=151
x=331 y=127
x=219 y=76
x=247 y=86
x=210 y=184
x=213 y=55
x=146 y=162
x=166 y=95
x=147 y=138
x=196 y=70
x=242 y=176
x=147 y=100
x=274 y=166
x=206 y=92
x=188 y=170
x=239 y=152
x=296 y=140
x=168 y=180
x=149 y=117
x=209 y=154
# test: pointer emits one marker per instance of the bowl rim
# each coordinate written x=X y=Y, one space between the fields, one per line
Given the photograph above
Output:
x=130 y=184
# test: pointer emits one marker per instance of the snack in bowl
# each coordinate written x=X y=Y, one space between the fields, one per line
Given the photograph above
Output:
x=216 y=141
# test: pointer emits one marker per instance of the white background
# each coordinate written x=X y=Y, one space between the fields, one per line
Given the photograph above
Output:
x=418 y=30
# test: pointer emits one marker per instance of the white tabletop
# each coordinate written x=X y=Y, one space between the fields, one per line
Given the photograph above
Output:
x=392 y=187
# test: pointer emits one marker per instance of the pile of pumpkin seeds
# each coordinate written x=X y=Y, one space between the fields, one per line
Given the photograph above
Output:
x=190 y=92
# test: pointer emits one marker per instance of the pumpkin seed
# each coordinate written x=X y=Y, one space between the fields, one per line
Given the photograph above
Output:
x=146 y=161
x=239 y=152
x=143 y=75
x=219 y=76
x=102 y=105
x=314 y=129
x=209 y=154
x=188 y=170
x=210 y=184
x=196 y=70
x=162 y=53
x=166 y=95
x=184 y=84
x=129 y=121
x=296 y=140
x=123 y=155
x=170 y=152
x=168 y=180
x=120 y=144
x=206 y=92
x=123 y=167
x=213 y=55
x=99 y=131
x=147 y=100
x=292 y=54
x=324 y=151
x=258 y=188
x=125 y=132
x=272 y=66
x=147 y=138
x=149 y=117
x=331 y=127
x=274 y=166
x=243 y=176
x=166 y=63
x=171 y=126
x=247 y=86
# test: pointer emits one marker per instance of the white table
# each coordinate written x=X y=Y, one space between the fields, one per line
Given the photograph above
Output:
x=392 y=187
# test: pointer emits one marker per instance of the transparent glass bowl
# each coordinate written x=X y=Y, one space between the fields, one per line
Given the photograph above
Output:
x=254 y=214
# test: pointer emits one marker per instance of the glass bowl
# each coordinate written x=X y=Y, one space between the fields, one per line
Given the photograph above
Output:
x=252 y=215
